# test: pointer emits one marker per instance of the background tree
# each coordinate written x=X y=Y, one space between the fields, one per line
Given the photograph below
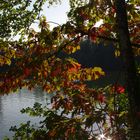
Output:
x=17 y=16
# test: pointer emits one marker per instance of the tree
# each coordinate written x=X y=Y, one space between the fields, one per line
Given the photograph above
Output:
x=131 y=76
x=17 y=16
x=78 y=111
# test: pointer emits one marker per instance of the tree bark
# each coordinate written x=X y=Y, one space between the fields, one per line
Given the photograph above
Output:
x=132 y=83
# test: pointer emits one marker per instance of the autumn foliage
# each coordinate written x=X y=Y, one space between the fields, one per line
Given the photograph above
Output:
x=78 y=111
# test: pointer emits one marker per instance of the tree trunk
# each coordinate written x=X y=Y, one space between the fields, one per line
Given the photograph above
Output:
x=132 y=83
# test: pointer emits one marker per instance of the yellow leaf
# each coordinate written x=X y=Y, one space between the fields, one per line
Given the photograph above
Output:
x=39 y=73
x=89 y=77
x=73 y=50
x=99 y=70
x=8 y=62
x=78 y=47
x=117 y=53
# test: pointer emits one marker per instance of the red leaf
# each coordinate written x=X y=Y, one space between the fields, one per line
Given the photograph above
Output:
x=120 y=89
x=113 y=10
x=101 y=98
x=27 y=72
x=56 y=72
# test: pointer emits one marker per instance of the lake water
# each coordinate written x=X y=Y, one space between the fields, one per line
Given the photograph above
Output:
x=11 y=104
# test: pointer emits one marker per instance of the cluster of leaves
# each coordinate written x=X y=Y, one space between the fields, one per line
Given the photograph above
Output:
x=35 y=64
x=85 y=14
x=77 y=111
x=17 y=15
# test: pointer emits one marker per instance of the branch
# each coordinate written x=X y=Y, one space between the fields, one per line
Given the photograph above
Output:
x=106 y=38
x=60 y=48
x=116 y=40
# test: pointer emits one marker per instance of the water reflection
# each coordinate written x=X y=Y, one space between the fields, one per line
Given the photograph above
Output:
x=0 y=106
x=10 y=106
x=1 y=116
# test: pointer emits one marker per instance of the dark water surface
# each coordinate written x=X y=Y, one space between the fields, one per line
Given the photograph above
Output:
x=11 y=104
